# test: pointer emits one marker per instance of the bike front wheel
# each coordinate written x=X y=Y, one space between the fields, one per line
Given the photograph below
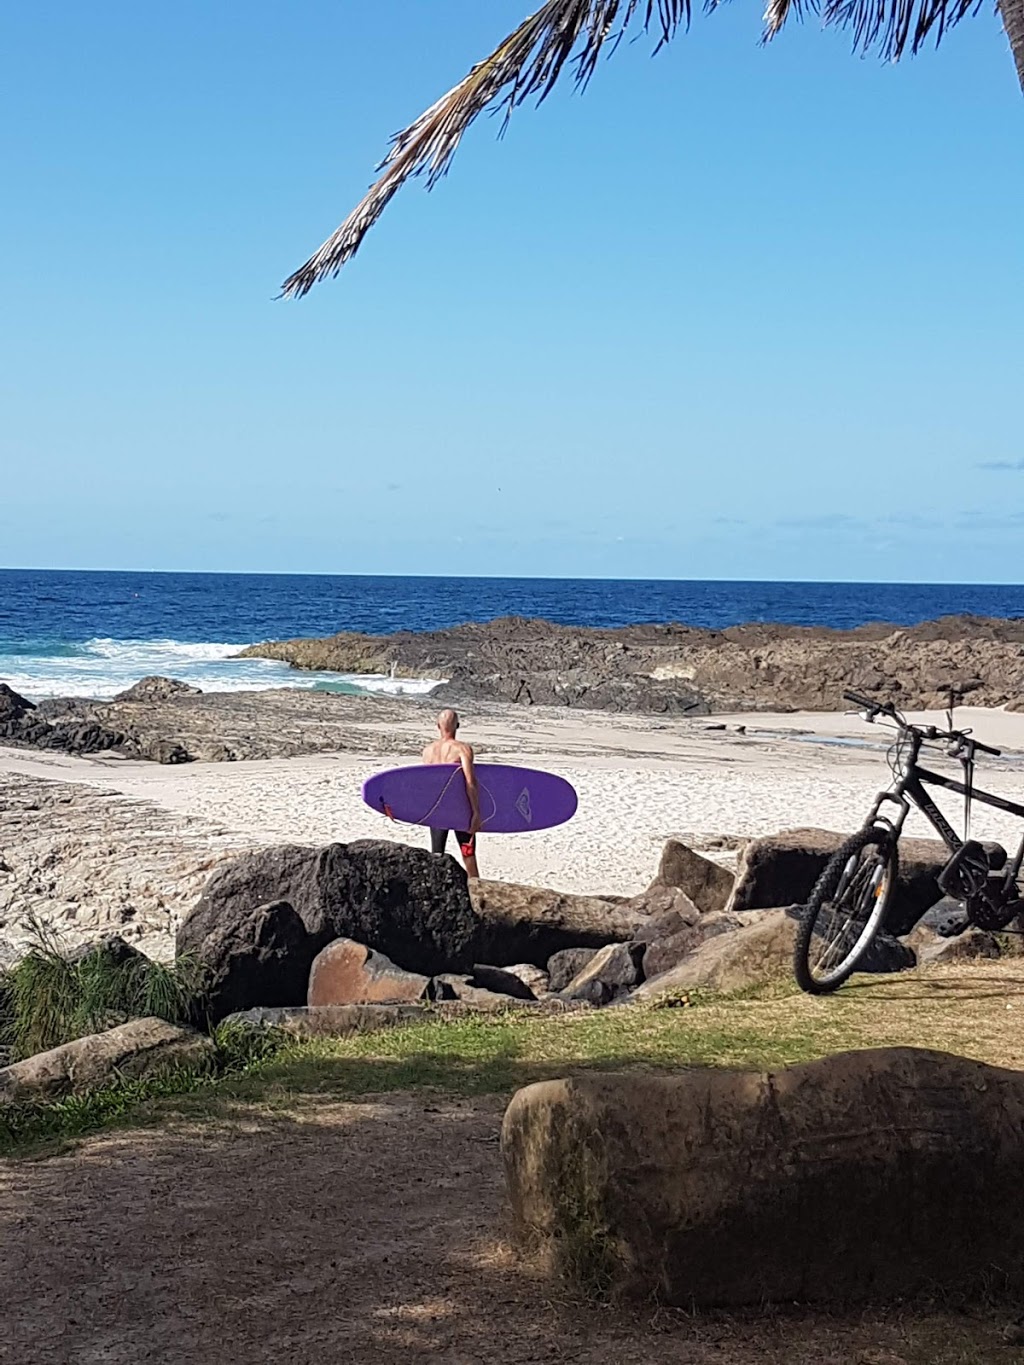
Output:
x=845 y=910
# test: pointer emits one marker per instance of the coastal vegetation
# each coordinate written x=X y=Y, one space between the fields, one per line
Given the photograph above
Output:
x=966 y=1009
x=51 y=996
x=573 y=35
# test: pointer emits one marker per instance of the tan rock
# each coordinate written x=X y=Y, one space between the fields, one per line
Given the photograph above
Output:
x=759 y=951
x=532 y=923
x=142 y=1047
x=865 y=1175
x=702 y=881
x=349 y=973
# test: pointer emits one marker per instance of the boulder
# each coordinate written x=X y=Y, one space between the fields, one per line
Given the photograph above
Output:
x=451 y=986
x=868 y=1175
x=400 y=901
x=502 y=982
x=759 y=951
x=535 y=979
x=781 y=869
x=327 y=1021
x=13 y=706
x=348 y=973
x=658 y=901
x=142 y=1047
x=261 y=957
x=531 y=923
x=563 y=966
x=932 y=949
x=707 y=885
x=668 y=950
x=609 y=975
x=157 y=689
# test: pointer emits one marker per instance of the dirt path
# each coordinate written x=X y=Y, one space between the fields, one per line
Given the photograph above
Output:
x=356 y=1232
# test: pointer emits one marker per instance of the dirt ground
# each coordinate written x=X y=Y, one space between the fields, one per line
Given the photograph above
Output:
x=351 y=1232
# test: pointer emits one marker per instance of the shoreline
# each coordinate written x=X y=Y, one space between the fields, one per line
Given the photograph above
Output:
x=127 y=837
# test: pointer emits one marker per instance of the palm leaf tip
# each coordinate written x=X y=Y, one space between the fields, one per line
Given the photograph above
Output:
x=890 y=27
x=528 y=63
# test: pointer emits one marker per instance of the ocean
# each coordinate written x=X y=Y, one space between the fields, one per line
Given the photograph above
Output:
x=65 y=633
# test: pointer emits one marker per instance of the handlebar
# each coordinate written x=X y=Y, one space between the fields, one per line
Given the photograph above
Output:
x=878 y=708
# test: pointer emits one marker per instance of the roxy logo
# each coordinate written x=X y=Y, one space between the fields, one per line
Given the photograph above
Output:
x=523 y=805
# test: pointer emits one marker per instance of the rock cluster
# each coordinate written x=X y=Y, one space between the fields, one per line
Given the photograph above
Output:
x=676 y=669
x=374 y=922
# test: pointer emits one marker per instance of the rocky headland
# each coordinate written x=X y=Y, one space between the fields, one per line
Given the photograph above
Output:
x=683 y=670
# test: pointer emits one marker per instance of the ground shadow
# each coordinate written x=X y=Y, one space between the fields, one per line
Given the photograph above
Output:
x=362 y=1232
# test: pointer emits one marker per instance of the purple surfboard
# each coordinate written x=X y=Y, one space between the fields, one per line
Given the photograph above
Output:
x=512 y=800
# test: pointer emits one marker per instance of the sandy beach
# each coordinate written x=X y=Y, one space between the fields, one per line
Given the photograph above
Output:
x=640 y=780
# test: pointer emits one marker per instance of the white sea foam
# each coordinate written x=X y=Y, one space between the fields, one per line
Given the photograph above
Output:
x=103 y=667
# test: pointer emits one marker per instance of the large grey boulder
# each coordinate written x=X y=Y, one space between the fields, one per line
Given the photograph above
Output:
x=142 y=1047
x=781 y=869
x=400 y=901
x=870 y=1174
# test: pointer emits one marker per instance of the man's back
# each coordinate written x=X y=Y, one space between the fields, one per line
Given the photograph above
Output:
x=447 y=751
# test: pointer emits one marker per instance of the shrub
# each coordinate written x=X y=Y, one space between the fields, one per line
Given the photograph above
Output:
x=53 y=997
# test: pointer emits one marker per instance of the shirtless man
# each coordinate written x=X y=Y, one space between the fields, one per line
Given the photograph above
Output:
x=448 y=749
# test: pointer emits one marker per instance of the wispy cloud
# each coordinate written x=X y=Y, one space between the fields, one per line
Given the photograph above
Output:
x=1002 y=466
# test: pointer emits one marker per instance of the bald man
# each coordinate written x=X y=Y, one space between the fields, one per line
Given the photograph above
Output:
x=447 y=749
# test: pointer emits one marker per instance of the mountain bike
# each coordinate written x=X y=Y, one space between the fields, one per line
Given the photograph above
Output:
x=848 y=905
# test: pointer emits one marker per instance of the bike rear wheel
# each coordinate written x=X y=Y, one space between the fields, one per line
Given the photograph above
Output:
x=845 y=910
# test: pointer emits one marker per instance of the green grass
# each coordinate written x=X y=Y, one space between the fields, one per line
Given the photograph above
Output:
x=969 y=1010
x=48 y=998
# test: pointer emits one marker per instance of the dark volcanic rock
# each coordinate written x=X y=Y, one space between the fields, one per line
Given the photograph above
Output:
x=398 y=900
x=261 y=957
x=681 y=670
x=500 y=982
x=157 y=689
x=13 y=706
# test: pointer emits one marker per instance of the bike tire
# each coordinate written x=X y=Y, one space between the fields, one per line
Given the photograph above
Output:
x=846 y=862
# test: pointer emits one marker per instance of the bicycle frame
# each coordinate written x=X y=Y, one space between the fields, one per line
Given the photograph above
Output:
x=909 y=789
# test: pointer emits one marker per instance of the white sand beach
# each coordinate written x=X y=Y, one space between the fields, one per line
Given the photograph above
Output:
x=640 y=780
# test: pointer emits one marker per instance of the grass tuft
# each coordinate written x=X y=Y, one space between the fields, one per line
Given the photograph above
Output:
x=50 y=998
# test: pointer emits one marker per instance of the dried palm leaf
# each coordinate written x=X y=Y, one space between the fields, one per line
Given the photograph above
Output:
x=890 y=26
x=574 y=33
x=526 y=64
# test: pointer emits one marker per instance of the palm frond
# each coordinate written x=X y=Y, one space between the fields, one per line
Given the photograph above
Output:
x=890 y=27
x=528 y=63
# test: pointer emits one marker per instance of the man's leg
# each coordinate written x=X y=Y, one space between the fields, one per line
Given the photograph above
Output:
x=438 y=839
x=467 y=846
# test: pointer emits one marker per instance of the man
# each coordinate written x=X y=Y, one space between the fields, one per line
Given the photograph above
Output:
x=448 y=749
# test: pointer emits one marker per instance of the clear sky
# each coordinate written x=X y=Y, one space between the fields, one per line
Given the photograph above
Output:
x=734 y=312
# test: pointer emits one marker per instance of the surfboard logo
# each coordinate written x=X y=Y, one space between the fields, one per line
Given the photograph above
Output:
x=523 y=805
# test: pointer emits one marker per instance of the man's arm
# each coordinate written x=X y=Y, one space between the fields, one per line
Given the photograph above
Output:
x=471 y=791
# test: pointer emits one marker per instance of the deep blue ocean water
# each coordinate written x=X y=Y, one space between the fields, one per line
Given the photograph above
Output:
x=92 y=634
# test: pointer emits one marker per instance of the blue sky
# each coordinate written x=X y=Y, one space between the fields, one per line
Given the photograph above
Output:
x=735 y=312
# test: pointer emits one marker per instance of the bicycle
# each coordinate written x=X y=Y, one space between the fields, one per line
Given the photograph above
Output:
x=847 y=907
